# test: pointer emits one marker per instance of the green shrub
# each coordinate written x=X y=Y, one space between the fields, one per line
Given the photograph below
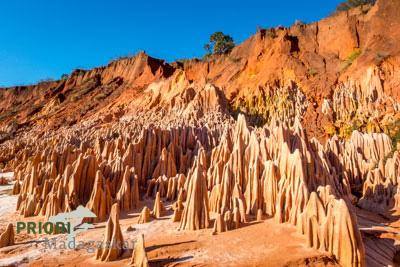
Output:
x=395 y=133
x=349 y=4
x=234 y=59
x=354 y=55
x=271 y=33
x=346 y=130
x=312 y=72
x=330 y=130
x=219 y=44
x=350 y=59
x=100 y=97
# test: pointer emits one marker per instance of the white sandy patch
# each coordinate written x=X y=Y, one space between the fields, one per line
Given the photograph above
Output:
x=20 y=259
x=8 y=175
x=7 y=202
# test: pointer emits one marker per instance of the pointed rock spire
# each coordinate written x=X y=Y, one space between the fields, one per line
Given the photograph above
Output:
x=100 y=200
x=7 y=238
x=144 y=216
x=195 y=214
x=158 y=209
x=139 y=256
x=113 y=240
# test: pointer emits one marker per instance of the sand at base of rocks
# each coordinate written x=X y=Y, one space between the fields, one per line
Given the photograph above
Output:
x=265 y=243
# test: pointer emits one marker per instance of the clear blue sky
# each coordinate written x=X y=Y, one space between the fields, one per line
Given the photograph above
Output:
x=42 y=39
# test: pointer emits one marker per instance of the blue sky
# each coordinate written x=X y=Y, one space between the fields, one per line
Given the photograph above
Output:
x=42 y=39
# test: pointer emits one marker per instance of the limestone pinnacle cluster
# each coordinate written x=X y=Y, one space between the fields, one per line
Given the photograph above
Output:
x=275 y=171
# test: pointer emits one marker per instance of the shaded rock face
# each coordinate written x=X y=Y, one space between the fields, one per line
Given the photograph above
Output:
x=371 y=167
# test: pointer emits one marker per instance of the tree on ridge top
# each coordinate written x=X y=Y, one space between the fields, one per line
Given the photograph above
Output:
x=219 y=44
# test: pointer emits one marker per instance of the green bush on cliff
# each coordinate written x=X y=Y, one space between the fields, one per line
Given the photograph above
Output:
x=312 y=72
x=346 y=130
x=99 y=97
x=394 y=133
x=349 y=4
x=347 y=63
x=330 y=130
x=354 y=55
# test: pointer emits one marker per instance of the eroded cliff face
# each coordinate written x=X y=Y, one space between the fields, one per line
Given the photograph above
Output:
x=239 y=135
x=336 y=74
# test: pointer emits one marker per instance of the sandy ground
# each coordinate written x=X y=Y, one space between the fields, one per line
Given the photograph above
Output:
x=263 y=243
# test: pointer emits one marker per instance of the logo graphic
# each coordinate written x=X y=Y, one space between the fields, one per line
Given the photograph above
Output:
x=69 y=223
x=74 y=219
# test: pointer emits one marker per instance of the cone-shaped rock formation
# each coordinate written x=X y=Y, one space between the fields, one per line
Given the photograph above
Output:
x=144 y=216
x=139 y=256
x=7 y=237
x=113 y=240
x=195 y=215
